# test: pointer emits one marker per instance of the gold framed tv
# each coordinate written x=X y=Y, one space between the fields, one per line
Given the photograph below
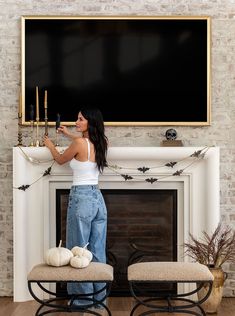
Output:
x=138 y=71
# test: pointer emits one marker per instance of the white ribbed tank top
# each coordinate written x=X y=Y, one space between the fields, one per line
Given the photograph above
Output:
x=84 y=172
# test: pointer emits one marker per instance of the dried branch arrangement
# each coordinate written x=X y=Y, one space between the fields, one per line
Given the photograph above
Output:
x=215 y=249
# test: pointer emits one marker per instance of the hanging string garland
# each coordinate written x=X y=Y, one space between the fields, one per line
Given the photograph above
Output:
x=197 y=155
x=34 y=160
x=47 y=172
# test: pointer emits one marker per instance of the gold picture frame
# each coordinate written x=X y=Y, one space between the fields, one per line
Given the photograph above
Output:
x=121 y=123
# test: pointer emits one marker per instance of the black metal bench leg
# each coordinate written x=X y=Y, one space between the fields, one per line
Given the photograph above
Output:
x=53 y=305
x=187 y=306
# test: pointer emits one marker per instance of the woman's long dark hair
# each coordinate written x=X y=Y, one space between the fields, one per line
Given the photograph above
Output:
x=96 y=135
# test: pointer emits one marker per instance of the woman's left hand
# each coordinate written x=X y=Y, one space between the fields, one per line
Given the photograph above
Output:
x=47 y=142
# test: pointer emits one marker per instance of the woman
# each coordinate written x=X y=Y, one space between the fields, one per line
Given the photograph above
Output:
x=86 y=214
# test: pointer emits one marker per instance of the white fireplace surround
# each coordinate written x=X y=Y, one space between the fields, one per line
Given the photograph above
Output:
x=34 y=210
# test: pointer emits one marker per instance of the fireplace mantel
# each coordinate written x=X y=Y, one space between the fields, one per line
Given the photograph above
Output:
x=32 y=209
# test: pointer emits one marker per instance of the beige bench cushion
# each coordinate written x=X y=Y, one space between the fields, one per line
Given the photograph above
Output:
x=96 y=271
x=169 y=271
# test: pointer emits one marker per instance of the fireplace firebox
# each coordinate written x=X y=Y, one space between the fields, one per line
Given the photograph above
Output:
x=142 y=226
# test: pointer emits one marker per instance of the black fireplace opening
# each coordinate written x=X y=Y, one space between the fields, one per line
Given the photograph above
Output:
x=142 y=226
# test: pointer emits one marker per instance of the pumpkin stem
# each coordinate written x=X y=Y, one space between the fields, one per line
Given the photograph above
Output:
x=60 y=243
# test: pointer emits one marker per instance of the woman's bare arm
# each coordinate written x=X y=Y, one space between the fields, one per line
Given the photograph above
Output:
x=64 y=130
x=67 y=155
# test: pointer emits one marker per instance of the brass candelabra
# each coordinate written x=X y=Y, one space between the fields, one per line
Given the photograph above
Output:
x=32 y=133
x=19 y=131
x=45 y=109
x=37 y=143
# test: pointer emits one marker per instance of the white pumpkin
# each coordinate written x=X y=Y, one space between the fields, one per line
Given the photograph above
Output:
x=79 y=262
x=58 y=256
x=82 y=252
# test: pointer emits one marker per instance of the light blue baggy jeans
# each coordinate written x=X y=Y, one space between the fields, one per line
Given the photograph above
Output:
x=87 y=223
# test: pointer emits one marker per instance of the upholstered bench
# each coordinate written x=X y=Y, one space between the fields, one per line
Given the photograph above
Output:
x=140 y=275
x=96 y=272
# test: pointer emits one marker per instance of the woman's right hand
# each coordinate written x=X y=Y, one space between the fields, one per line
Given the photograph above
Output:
x=63 y=129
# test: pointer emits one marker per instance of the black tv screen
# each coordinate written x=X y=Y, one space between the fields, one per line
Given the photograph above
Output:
x=137 y=71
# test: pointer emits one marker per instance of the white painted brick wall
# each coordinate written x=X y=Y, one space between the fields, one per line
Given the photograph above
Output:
x=220 y=133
